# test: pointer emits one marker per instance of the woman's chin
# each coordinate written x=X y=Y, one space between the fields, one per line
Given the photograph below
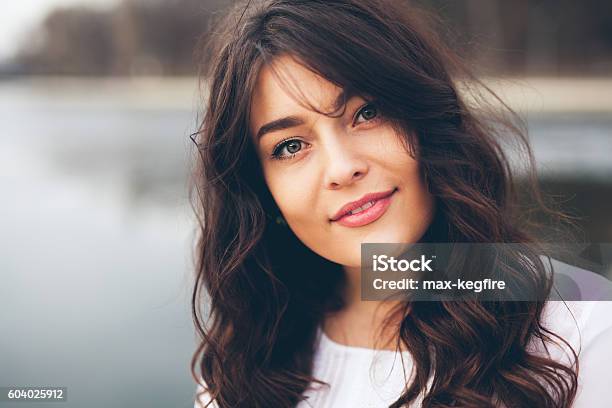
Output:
x=384 y=236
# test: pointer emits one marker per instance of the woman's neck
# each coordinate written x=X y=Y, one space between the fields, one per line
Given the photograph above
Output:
x=361 y=323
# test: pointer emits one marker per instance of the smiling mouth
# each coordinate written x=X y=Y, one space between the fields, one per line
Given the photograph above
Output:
x=366 y=213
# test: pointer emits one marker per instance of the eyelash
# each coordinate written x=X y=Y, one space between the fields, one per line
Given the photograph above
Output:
x=277 y=149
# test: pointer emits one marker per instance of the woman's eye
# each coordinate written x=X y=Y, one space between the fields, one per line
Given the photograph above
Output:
x=368 y=112
x=291 y=146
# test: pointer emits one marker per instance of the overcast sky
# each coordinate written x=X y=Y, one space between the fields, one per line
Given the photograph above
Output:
x=17 y=17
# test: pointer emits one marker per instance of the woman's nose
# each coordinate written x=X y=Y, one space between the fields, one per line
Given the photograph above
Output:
x=343 y=165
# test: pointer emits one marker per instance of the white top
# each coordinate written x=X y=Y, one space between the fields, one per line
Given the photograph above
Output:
x=366 y=378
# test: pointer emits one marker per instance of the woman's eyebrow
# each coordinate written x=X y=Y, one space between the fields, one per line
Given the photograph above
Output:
x=279 y=124
x=293 y=121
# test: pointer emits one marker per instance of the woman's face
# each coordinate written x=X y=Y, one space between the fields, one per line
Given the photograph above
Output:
x=314 y=165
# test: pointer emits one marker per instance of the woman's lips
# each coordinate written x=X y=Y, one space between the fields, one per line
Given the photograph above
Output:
x=368 y=215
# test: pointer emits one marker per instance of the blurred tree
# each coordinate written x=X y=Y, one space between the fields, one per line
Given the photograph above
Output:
x=536 y=37
x=138 y=37
x=76 y=41
x=158 y=36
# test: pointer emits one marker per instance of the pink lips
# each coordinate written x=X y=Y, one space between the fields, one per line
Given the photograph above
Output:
x=367 y=216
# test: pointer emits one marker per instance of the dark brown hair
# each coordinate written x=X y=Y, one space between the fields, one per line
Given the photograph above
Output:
x=267 y=292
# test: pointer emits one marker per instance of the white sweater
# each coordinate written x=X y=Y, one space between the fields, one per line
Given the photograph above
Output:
x=366 y=378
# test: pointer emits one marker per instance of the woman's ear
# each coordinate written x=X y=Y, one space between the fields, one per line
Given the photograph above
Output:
x=426 y=180
x=272 y=212
x=280 y=220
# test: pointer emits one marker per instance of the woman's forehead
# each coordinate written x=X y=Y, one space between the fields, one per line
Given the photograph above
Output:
x=286 y=87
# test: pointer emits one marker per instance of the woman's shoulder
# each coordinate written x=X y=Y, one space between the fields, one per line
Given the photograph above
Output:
x=586 y=312
x=579 y=322
x=202 y=397
x=574 y=283
x=587 y=327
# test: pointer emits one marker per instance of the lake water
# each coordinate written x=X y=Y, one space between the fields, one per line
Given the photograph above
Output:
x=96 y=232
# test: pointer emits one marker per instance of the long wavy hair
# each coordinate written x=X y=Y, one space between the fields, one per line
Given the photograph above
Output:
x=267 y=292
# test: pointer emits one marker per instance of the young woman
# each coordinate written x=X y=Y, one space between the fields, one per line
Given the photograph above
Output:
x=316 y=105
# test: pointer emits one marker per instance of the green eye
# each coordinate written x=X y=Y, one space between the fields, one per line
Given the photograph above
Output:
x=368 y=112
x=292 y=146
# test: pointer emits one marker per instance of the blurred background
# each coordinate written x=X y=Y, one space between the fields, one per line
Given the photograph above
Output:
x=97 y=101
